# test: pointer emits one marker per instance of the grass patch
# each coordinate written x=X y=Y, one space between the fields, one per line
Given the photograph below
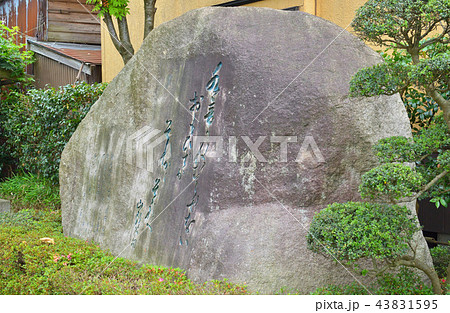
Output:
x=405 y=282
x=31 y=192
x=73 y=266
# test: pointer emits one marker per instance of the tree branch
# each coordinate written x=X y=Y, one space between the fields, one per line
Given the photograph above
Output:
x=444 y=105
x=123 y=44
x=430 y=29
x=430 y=272
x=431 y=183
x=150 y=10
x=425 y=189
x=436 y=39
x=111 y=30
x=128 y=50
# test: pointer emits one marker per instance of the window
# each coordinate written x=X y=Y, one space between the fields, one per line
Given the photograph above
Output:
x=296 y=8
x=235 y=3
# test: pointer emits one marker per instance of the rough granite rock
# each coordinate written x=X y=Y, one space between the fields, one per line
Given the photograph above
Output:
x=136 y=179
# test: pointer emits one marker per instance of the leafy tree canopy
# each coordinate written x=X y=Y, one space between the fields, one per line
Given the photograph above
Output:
x=116 y=8
x=421 y=29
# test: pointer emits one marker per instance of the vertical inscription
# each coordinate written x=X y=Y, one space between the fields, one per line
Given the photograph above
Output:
x=164 y=163
x=199 y=159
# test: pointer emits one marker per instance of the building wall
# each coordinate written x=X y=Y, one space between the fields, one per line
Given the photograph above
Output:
x=340 y=12
x=52 y=20
x=72 y=21
x=21 y=13
x=55 y=74
x=337 y=11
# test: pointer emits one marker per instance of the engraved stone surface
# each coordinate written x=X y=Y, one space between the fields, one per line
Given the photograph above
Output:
x=217 y=143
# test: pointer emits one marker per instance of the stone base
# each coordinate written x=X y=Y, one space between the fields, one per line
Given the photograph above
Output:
x=5 y=206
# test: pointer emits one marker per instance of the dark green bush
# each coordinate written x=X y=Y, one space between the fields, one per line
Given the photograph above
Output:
x=441 y=260
x=38 y=124
x=30 y=191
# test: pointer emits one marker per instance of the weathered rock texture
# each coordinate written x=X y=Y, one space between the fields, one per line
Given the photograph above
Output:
x=241 y=216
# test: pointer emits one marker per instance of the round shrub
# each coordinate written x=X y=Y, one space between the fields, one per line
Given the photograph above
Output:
x=353 y=230
x=391 y=180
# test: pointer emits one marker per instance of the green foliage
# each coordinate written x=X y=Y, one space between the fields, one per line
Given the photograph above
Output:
x=429 y=151
x=353 y=230
x=395 y=149
x=30 y=191
x=416 y=64
x=72 y=266
x=116 y=8
x=13 y=59
x=443 y=160
x=441 y=260
x=383 y=21
x=405 y=282
x=432 y=69
x=347 y=289
x=432 y=139
x=38 y=124
x=381 y=79
x=421 y=108
x=399 y=74
x=391 y=180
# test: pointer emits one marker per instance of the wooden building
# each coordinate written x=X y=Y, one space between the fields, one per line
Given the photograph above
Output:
x=64 y=34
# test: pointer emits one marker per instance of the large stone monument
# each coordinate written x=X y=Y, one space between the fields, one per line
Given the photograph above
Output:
x=217 y=143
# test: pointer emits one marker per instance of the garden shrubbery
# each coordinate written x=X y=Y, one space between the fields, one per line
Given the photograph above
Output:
x=38 y=124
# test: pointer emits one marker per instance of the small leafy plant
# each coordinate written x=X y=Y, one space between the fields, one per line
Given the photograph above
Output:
x=13 y=57
x=380 y=233
x=355 y=230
